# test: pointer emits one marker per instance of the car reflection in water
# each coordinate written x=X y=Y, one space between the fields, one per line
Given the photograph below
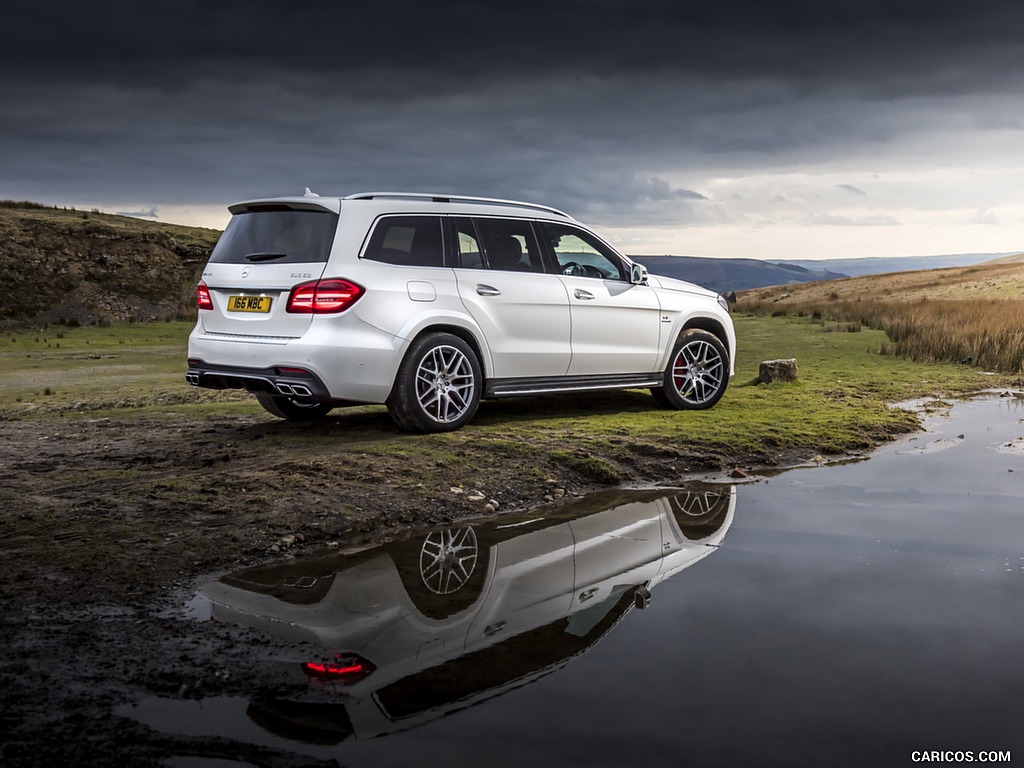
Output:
x=422 y=628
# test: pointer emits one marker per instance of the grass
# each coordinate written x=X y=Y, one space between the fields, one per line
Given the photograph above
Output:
x=128 y=365
x=840 y=403
x=972 y=315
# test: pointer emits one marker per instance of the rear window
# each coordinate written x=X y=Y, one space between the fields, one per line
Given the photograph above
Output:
x=278 y=237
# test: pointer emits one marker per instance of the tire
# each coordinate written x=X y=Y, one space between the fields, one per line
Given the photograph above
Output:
x=697 y=372
x=438 y=385
x=293 y=410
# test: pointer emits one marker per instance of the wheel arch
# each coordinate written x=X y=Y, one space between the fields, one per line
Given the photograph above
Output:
x=716 y=328
x=709 y=324
x=482 y=354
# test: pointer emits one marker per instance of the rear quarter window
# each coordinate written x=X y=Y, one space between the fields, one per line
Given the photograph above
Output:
x=411 y=241
x=276 y=236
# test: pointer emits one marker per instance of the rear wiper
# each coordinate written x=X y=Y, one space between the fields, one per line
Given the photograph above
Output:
x=265 y=256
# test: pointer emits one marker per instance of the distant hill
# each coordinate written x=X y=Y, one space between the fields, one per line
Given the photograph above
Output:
x=725 y=275
x=1013 y=258
x=995 y=279
x=876 y=265
x=88 y=267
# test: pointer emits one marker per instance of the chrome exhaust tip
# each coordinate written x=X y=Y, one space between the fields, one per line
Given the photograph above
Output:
x=293 y=390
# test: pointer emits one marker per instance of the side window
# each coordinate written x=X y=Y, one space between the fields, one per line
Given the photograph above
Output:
x=469 y=254
x=510 y=245
x=580 y=254
x=413 y=241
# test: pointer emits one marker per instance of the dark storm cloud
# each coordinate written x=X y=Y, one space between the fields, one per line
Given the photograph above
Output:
x=172 y=44
x=590 y=105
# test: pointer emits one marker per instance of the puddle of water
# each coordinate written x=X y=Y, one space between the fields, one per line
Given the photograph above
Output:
x=852 y=615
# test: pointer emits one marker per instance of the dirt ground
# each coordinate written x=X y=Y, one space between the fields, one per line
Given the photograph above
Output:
x=108 y=523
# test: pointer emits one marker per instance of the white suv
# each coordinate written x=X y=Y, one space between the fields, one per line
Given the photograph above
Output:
x=429 y=303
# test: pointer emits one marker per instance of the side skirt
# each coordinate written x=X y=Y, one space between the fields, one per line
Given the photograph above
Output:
x=536 y=385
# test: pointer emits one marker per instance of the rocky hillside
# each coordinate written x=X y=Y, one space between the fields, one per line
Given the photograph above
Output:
x=79 y=267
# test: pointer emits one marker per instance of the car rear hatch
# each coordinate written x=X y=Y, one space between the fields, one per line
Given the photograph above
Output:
x=266 y=250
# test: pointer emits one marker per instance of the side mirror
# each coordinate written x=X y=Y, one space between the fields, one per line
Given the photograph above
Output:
x=638 y=274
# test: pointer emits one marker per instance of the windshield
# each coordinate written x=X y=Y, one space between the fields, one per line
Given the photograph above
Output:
x=279 y=237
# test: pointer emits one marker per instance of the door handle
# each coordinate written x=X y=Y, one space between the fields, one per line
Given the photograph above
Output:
x=579 y=293
x=487 y=290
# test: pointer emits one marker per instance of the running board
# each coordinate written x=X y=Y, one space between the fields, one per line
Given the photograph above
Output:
x=539 y=385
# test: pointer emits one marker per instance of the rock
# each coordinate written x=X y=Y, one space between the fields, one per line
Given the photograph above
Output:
x=739 y=473
x=771 y=371
x=475 y=497
x=489 y=508
x=455 y=489
x=494 y=503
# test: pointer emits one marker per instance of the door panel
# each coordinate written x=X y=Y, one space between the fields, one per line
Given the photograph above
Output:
x=523 y=312
x=616 y=326
x=525 y=318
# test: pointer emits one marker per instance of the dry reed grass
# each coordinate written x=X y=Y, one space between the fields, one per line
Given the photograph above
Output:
x=973 y=315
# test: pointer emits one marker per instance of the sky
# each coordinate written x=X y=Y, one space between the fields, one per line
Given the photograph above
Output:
x=732 y=128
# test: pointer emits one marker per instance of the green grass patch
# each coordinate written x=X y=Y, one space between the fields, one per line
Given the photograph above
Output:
x=840 y=403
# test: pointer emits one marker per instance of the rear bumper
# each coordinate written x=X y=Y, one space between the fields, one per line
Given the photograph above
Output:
x=274 y=380
x=347 y=361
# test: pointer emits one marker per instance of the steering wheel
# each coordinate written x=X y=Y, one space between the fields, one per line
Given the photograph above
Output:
x=576 y=269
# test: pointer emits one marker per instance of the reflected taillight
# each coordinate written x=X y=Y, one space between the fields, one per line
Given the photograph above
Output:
x=318 y=297
x=203 y=298
x=346 y=669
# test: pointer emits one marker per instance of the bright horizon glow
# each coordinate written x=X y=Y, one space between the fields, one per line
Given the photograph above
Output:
x=787 y=234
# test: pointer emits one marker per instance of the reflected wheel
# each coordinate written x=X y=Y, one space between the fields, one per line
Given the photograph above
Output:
x=444 y=571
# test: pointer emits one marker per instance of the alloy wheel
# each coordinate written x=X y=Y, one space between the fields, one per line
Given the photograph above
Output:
x=445 y=384
x=698 y=372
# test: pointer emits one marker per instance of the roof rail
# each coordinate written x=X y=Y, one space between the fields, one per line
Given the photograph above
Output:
x=443 y=198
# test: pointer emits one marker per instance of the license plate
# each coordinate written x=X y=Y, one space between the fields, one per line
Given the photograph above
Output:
x=248 y=303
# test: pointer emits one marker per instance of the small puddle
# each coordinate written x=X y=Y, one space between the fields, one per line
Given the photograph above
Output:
x=851 y=614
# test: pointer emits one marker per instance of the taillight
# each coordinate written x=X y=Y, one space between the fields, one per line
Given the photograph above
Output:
x=332 y=294
x=347 y=669
x=203 y=298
